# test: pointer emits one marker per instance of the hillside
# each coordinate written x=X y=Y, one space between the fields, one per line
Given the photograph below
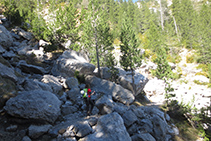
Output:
x=148 y=62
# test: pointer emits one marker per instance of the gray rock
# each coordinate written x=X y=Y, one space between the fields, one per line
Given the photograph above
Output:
x=104 y=72
x=36 y=131
x=16 y=44
x=7 y=72
x=109 y=127
x=105 y=105
x=30 y=68
x=109 y=88
x=33 y=84
x=160 y=128
x=74 y=94
x=68 y=109
x=143 y=137
x=146 y=125
x=120 y=108
x=133 y=129
x=23 y=48
x=15 y=36
x=37 y=104
x=139 y=81
x=82 y=129
x=9 y=54
x=12 y=128
x=129 y=118
x=139 y=112
x=5 y=37
x=22 y=33
x=26 y=138
x=53 y=82
x=72 y=82
x=69 y=62
x=2 y=50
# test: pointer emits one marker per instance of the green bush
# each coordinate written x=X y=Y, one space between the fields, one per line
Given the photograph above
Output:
x=189 y=58
x=204 y=67
x=202 y=73
x=200 y=83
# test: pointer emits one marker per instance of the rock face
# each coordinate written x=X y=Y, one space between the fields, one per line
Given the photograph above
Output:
x=5 y=37
x=69 y=62
x=36 y=104
x=109 y=88
x=7 y=72
x=109 y=127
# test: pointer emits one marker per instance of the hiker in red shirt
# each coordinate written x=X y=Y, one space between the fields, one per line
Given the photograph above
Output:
x=89 y=100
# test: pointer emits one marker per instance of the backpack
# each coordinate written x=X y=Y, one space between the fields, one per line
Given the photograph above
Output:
x=85 y=93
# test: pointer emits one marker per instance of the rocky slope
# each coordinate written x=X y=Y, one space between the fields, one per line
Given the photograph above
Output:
x=41 y=100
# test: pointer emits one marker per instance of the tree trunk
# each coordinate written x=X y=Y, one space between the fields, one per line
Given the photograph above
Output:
x=161 y=16
x=133 y=81
x=97 y=53
x=175 y=24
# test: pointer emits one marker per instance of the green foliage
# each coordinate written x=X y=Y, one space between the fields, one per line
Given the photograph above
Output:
x=110 y=63
x=202 y=73
x=190 y=58
x=200 y=83
x=204 y=67
x=209 y=72
x=163 y=68
x=131 y=57
x=81 y=78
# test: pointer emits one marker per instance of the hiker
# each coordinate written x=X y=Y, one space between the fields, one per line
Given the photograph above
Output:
x=88 y=100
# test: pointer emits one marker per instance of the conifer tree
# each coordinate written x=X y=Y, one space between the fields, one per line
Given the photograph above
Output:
x=65 y=25
x=131 y=58
x=204 y=30
x=163 y=68
x=96 y=34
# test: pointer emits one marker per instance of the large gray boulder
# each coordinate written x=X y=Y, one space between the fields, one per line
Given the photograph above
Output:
x=69 y=62
x=33 y=84
x=27 y=68
x=53 y=82
x=105 y=105
x=143 y=137
x=7 y=72
x=125 y=80
x=109 y=127
x=5 y=37
x=117 y=92
x=72 y=82
x=36 y=131
x=23 y=33
x=37 y=104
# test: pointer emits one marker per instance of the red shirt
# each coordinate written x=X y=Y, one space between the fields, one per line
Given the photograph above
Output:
x=89 y=92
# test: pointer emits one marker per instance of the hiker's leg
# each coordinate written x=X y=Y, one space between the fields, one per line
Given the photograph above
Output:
x=92 y=103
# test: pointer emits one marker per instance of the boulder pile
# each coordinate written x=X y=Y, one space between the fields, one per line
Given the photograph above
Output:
x=41 y=99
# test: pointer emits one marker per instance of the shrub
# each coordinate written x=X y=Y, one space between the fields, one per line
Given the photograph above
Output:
x=204 y=67
x=153 y=58
x=200 y=83
x=148 y=53
x=174 y=58
x=202 y=73
x=189 y=58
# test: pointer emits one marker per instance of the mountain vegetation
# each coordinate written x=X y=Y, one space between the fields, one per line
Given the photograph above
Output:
x=161 y=27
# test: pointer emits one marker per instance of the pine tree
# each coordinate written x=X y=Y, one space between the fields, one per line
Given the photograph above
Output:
x=204 y=29
x=66 y=23
x=96 y=33
x=163 y=69
x=131 y=58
